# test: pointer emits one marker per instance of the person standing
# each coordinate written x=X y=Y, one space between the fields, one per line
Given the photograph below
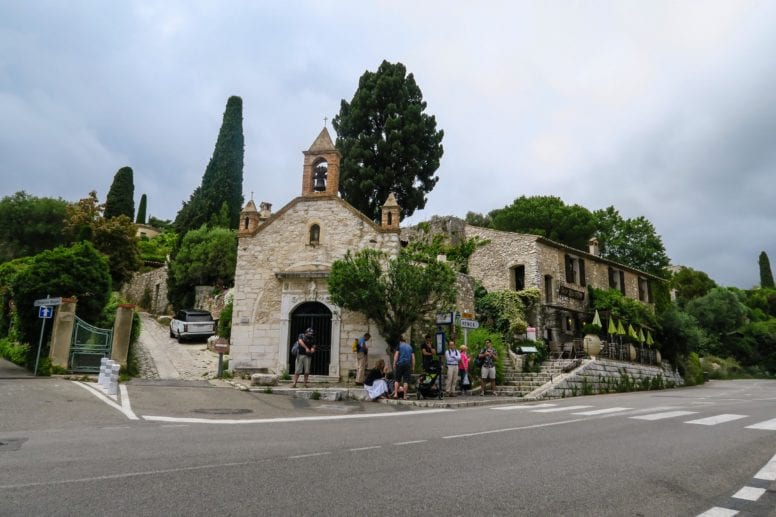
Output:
x=362 y=351
x=427 y=353
x=304 y=356
x=452 y=358
x=488 y=356
x=403 y=366
x=463 y=370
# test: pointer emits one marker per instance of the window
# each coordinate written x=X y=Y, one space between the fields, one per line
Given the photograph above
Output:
x=645 y=291
x=518 y=273
x=320 y=175
x=575 y=270
x=246 y=223
x=617 y=279
x=547 y=289
x=315 y=235
x=390 y=218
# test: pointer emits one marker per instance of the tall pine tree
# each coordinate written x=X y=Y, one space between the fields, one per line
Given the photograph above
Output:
x=222 y=181
x=388 y=143
x=766 y=275
x=141 y=210
x=121 y=196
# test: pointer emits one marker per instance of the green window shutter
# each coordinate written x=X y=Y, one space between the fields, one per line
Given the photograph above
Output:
x=582 y=280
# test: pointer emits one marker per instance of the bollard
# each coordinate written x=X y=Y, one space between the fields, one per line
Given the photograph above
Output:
x=103 y=371
x=113 y=383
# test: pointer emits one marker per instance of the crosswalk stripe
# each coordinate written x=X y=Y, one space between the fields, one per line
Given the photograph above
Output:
x=768 y=425
x=718 y=512
x=749 y=493
x=522 y=406
x=714 y=420
x=562 y=408
x=666 y=414
x=768 y=472
x=602 y=411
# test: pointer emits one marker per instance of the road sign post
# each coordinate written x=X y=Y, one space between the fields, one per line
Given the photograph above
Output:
x=44 y=312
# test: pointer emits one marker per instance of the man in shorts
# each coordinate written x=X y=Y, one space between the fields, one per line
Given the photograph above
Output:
x=304 y=356
x=403 y=366
x=488 y=357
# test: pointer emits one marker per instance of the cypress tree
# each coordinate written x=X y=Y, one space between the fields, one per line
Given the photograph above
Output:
x=222 y=180
x=766 y=275
x=121 y=196
x=141 y=210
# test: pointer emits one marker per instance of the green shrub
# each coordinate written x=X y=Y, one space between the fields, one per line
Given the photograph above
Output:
x=225 y=320
x=476 y=339
x=14 y=352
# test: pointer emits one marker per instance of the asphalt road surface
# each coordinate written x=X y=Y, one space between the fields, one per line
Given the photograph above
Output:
x=206 y=450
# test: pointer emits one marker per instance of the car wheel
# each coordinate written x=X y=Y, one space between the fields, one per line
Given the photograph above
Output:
x=171 y=333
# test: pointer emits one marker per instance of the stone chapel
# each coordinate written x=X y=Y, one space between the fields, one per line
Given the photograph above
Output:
x=283 y=262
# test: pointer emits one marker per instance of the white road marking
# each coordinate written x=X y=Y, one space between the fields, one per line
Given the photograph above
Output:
x=768 y=425
x=365 y=448
x=94 y=391
x=312 y=454
x=231 y=421
x=749 y=493
x=714 y=420
x=410 y=442
x=768 y=472
x=556 y=409
x=505 y=430
x=522 y=406
x=718 y=512
x=125 y=406
x=661 y=416
x=602 y=411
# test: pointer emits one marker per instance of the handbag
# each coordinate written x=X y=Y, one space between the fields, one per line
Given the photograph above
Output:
x=466 y=381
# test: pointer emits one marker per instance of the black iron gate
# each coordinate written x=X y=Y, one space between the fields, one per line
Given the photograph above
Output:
x=317 y=316
x=89 y=344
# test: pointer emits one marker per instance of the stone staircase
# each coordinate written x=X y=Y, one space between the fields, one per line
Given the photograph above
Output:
x=519 y=384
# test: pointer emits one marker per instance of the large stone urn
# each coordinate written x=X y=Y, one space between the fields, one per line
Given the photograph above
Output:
x=592 y=344
x=632 y=353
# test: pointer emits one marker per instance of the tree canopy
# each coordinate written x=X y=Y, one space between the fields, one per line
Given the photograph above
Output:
x=206 y=257
x=394 y=293
x=29 y=225
x=388 y=143
x=79 y=271
x=222 y=180
x=766 y=275
x=633 y=242
x=690 y=284
x=141 y=210
x=547 y=216
x=115 y=238
x=121 y=196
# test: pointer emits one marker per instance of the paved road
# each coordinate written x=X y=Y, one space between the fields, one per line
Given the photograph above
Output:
x=162 y=357
x=673 y=452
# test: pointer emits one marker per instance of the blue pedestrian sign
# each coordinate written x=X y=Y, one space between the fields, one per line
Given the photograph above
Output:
x=45 y=311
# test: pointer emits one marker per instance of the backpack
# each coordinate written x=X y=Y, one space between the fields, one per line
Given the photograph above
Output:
x=295 y=349
x=478 y=362
x=355 y=345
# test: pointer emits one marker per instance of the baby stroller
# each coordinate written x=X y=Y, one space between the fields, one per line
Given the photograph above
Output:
x=430 y=383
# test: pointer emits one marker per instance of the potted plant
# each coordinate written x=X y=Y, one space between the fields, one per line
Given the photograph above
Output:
x=592 y=341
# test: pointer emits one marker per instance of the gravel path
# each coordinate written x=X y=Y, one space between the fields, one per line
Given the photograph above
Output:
x=162 y=357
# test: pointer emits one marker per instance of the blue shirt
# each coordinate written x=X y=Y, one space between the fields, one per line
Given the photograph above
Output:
x=405 y=354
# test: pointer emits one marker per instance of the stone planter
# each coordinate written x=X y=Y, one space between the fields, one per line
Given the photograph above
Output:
x=658 y=357
x=592 y=345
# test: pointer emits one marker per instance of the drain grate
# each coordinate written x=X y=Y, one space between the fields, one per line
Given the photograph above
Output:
x=223 y=411
x=11 y=444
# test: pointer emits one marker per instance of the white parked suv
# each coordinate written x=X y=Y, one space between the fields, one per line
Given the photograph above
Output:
x=192 y=323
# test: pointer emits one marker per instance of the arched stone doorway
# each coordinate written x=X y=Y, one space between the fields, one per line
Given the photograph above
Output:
x=317 y=316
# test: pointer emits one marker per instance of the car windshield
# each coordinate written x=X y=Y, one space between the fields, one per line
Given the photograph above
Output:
x=199 y=317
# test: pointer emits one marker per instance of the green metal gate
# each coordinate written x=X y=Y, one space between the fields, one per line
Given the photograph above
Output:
x=88 y=346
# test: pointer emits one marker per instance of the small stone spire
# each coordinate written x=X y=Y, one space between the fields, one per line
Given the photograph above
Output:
x=390 y=213
x=320 y=174
x=249 y=219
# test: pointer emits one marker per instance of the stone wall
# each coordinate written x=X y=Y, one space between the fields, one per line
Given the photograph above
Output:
x=605 y=376
x=151 y=285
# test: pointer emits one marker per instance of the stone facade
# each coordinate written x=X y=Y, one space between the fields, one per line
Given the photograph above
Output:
x=283 y=261
x=561 y=273
x=148 y=290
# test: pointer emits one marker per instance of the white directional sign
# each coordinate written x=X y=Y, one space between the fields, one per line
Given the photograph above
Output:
x=45 y=312
x=47 y=301
x=470 y=324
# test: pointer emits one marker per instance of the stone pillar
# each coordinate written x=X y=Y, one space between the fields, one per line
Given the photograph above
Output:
x=122 y=330
x=62 y=333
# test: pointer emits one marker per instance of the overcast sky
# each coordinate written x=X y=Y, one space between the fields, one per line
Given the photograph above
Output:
x=661 y=109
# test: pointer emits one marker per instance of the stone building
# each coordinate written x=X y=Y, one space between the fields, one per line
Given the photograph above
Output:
x=283 y=261
x=561 y=273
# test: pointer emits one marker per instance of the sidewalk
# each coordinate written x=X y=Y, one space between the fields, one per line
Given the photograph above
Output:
x=8 y=370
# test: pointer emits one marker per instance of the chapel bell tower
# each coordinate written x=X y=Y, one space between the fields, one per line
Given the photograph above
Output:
x=320 y=175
